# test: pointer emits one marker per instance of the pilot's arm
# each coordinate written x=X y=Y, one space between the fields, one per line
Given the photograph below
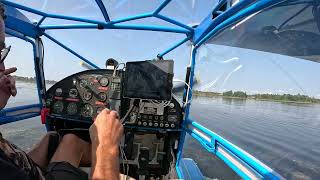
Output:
x=105 y=134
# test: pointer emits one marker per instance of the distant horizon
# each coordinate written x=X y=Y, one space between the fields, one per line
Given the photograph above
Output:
x=221 y=92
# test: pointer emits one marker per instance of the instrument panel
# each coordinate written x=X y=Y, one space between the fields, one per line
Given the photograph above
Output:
x=84 y=95
x=152 y=127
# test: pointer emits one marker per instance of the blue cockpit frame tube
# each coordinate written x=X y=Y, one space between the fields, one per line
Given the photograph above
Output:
x=35 y=55
x=263 y=170
x=173 y=47
x=258 y=6
x=187 y=96
x=135 y=17
x=25 y=111
x=34 y=11
x=19 y=113
x=117 y=26
x=208 y=23
x=210 y=28
x=103 y=10
x=162 y=6
x=113 y=24
x=172 y=21
x=71 y=51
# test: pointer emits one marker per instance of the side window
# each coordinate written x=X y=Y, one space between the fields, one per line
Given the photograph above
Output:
x=21 y=56
x=265 y=103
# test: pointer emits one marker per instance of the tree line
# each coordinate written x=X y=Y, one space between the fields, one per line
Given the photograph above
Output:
x=275 y=97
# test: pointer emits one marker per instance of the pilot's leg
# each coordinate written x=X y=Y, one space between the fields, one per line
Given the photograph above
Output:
x=66 y=160
x=39 y=153
x=71 y=149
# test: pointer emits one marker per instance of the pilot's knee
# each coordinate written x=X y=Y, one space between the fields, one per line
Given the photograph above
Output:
x=70 y=139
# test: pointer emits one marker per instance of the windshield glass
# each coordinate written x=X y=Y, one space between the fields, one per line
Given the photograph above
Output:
x=257 y=86
x=288 y=28
x=78 y=8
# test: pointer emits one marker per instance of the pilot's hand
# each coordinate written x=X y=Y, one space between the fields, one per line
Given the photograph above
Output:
x=7 y=82
x=106 y=132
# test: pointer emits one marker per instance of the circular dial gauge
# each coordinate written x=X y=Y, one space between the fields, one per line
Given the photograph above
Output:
x=58 y=92
x=87 y=95
x=72 y=109
x=87 y=110
x=83 y=83
x=73 y=93
x=102 y=96
x=58 y=107
x=104 y=81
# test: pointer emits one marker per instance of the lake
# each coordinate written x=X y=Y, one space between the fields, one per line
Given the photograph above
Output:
x=285 y=136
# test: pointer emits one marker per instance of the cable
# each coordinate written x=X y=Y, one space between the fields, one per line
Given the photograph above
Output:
x=134 y=104
x=121 y=152
x=127 y=171
x=181 y=102
x=127 y=114
x=178 y=80
x=115 y=69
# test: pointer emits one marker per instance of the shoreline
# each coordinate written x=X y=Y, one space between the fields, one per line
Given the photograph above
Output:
x=256 y=99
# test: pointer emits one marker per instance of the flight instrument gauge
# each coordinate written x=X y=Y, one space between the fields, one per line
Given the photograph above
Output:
x=102 y=96
x=73 y=93
x=87 y=95
x=58 y=92
x=58 y=107
x=83 y=83
x=72 y=108
x=104 y=81
x=87 y=110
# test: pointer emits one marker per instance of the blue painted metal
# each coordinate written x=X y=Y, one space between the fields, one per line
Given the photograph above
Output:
x=258 y=166
x=19 y=108
x=173 y=47
x=208 y=23
x=34 y=11
x=71 y=51
x=174 y=22
x=191 y=170
x=117 y=26
x=188 y=95
x=103 y=10
x=162 y=5
x=135 y=17
x=107 y=25
x=205 y=30
x=5 y=118
x=41 y=20
x=233 y=167
x=23 y=27
x=238 y=16
x=38 y=76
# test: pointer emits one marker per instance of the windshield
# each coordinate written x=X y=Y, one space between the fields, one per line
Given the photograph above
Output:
x=122 y=45
x=257 y=85
x=288 y=28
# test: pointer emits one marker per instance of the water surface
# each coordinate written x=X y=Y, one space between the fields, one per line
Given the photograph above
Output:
x=286 y=137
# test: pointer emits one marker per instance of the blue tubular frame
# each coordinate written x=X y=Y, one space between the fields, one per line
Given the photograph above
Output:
x=103 y=10
x=241 y=162
x=71 y=51
x=212 y=142
x=173 y=47
x=259 y=5
x=245 y=165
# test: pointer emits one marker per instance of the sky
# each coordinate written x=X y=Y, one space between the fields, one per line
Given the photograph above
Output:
x=219 y=68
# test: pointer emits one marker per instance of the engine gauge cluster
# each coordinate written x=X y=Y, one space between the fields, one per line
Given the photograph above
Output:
x=83 y=95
